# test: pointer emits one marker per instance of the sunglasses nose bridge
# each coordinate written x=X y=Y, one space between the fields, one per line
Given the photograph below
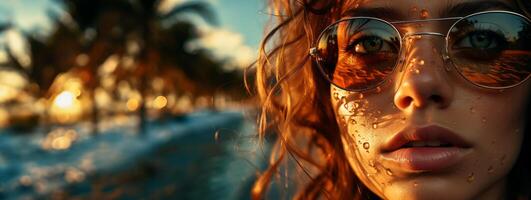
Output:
x=407 y=35
x=408 y=38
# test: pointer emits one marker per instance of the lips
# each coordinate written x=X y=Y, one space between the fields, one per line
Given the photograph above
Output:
x=428 y=148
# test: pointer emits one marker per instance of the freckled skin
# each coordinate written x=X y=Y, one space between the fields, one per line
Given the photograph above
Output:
x=491 y=120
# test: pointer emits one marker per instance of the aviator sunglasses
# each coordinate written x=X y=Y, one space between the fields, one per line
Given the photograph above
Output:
x=490 y=49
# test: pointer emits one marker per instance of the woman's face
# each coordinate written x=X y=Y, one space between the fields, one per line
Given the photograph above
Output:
x=428 y=133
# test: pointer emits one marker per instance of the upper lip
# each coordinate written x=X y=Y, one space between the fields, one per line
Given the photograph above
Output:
x=424 y=133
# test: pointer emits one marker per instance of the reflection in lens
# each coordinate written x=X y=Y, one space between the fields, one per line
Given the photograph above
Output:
x=492 y=49
x=358 y=54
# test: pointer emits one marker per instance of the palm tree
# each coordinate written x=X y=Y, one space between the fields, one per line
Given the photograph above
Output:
x=102 y=28
x=48 y=57
x=118 y=21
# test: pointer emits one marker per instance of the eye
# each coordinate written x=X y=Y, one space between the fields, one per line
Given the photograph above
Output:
x=370 y=45
x=481 y=40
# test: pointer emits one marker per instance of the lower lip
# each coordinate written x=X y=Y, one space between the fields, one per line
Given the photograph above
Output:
x=425 y=158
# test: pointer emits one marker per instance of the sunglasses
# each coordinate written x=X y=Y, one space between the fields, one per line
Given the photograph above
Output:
x=490 y=49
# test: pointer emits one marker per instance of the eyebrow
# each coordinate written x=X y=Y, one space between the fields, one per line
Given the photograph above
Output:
x=452 y=10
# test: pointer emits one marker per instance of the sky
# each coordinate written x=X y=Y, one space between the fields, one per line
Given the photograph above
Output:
x=28 y=14
x=239 y=32
x=236 y=38
x=244 y=17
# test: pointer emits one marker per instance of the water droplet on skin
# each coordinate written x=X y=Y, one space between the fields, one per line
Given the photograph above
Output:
x=470 y=178
x=366 y=145
x=483 y=119
x=417 y=71
x=472 y=110
x=371 y=163
x=501 y=90
x=352 y=121
x=374 y=125
x=350 y=106
x=415 y=184
x=388 y=172
x=387 y=117
x=378 y=89
x=490 y=170
x=336 y=96
x=421 y=62
x=414 y=9
x=424 y=14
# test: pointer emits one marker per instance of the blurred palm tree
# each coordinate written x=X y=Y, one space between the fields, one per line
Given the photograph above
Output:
x=155 y=39
x=119 y=23
x=48 y=58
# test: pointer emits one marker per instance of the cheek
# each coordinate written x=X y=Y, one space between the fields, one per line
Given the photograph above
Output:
x=495 y=124
x=362 y=122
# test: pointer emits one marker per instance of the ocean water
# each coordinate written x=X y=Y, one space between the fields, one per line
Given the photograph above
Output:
x=207 y=155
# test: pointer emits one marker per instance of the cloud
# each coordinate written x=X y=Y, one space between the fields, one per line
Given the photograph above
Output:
x=167 y=5
x=32 y=16
x=226 y=45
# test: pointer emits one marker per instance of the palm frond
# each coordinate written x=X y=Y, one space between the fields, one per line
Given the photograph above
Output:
x=200 y=8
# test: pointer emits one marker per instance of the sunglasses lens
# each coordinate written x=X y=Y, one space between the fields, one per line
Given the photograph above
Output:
x=358 y=54
x=492 y=49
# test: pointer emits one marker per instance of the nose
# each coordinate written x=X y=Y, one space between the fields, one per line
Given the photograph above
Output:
x=424 y=82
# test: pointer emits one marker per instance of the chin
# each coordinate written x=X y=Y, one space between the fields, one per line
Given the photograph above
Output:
x=427 y=190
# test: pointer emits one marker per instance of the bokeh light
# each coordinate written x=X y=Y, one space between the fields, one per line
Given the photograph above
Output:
x=160 y=102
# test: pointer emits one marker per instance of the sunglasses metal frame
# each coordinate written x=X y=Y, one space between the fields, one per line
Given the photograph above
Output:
x=445 y=55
